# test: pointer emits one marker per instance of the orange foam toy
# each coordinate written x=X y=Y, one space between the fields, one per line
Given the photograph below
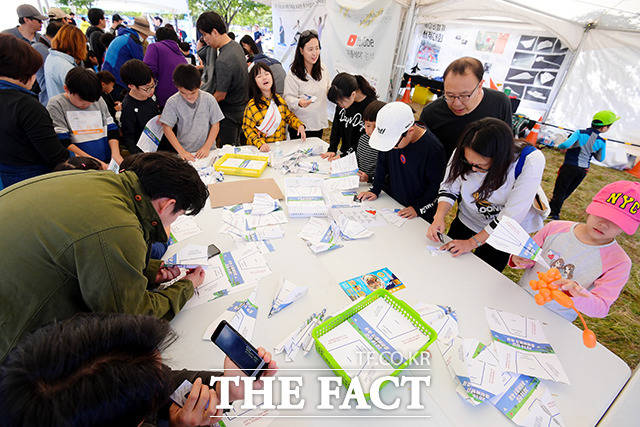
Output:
x=547 y=291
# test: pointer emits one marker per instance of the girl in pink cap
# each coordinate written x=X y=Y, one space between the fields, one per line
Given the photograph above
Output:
x=593 y=265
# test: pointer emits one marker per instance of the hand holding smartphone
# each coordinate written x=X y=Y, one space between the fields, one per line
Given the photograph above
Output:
x=239 y=350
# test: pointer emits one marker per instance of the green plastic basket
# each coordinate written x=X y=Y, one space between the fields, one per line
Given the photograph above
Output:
x=396 y=303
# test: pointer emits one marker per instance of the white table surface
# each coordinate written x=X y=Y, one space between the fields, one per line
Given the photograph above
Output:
x=465 y=283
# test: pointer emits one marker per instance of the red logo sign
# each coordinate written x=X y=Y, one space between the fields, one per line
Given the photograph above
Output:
x=352 y=40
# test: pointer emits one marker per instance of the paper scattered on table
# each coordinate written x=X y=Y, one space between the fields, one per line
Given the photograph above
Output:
x=205 y=169
x=183 y=228
x=262 y=246
x=321 y=235
x=241 y=226
x=113 y=166
x=474 y=368
x=263 y=204
x=363 y=285
x=273 y=218
x=190 y=256
x=151 y=136
x=230 y=272
x=304 y=197
x=522 y=347
x=344 y=174
x=241 y=315
x=337 y=199
x=510 y=237
x=368 y=218
x=373 y=342
x=527 y=402
x=442 y=319
x=351 y=230
x=300 y=339
x=392 y=217
x=299 y=158
x=241 y=149
x=179 y=396
x=287 y=295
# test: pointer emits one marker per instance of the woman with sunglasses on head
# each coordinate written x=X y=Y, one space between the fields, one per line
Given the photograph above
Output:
x=306 y=86
x=351 y=94
x=267 y=115
x=489 y=175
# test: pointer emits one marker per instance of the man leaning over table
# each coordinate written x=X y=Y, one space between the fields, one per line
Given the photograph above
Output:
x=78 y=241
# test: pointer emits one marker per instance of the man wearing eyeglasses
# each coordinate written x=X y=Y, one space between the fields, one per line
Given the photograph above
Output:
x=30 y=20
x=464 y=101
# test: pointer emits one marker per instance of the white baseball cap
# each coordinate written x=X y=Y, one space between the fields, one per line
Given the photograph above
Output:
x=392 y=121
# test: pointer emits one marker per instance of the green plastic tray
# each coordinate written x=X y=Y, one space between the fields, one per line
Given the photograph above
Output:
x=333 y=322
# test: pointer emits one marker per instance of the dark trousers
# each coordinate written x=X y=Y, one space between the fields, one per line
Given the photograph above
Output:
x=230 y=129
x=293 y=133
x=569 y=177
x=495 y=258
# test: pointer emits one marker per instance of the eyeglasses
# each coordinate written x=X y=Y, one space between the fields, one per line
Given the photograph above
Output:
x=462 y=98
x=35 y=19
x=149 y=87
x=474 y=165
x=307 y=33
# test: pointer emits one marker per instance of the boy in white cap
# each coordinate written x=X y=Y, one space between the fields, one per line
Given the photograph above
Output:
x=594 y=267
x=411 y=160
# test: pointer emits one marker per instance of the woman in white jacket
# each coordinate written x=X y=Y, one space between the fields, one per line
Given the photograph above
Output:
x=489 y=176
x=306 y=86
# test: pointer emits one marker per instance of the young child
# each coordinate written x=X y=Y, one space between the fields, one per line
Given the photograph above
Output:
x=582 y=145
x=267 y=115
x=411 y=156
x=107 y=81
x=138 y=106
x=195 y=112
x=81 y=116
x=593 y=265
x=185 y=47
x=368 y=157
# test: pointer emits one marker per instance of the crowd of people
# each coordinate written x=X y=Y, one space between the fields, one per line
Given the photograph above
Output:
x=81 y=240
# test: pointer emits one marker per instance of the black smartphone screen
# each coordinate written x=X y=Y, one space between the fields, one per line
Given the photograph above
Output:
x=239 y=350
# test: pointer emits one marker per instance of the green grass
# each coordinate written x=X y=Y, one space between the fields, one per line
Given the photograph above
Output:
x=620 y=330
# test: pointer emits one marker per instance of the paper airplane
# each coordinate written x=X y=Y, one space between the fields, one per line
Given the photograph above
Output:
x=287 y=295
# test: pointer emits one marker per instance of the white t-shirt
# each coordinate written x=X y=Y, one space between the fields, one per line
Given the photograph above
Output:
x=513 y=199
x=314 y=116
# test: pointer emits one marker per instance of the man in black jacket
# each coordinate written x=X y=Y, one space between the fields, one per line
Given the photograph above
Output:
x=95 y=31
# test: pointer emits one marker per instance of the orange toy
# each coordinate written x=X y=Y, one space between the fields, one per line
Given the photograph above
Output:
x=547 y=291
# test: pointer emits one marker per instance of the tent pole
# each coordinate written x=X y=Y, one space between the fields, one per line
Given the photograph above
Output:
x=587 y=28
x=401 y=51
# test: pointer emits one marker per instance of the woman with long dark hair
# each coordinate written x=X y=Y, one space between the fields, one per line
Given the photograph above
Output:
x=351 y=94
x=489 y=175
x=267 y=115
x=306 y=85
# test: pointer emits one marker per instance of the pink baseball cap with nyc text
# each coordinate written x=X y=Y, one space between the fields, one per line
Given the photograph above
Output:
x=619 y=202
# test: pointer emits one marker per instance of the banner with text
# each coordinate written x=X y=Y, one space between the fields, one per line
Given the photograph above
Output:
x=361 y=38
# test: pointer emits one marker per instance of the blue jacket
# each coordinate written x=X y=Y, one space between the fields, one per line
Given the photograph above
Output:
x=123 y=48
x=56 y=67
x=582 y=145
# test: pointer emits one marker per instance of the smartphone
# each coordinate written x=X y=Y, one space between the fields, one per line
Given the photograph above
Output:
x=212 y=251
x=239 y=350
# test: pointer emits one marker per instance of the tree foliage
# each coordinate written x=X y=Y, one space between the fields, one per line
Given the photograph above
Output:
x=77 y=4
x=240 y=12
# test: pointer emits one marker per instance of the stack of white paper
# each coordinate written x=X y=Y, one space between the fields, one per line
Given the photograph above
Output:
x=321 y=235
x=368 y=218
x=242 y=226
x=338 y=199
x=301 y=338
x=263 y=204
x=522 y=347
x=304 y=197
x=351 y=230
x=241 y=315
x=344 y=174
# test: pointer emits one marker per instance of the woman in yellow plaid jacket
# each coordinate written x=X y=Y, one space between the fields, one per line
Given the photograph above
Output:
x=266 y=116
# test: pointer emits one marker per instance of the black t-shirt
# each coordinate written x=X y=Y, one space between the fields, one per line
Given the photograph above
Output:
x=448 y=127
x=348 y=126
x=134 y=117
x=232 y=77
x=412 y=175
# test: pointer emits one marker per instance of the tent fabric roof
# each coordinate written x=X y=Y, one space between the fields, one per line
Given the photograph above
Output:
x=144 y=6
